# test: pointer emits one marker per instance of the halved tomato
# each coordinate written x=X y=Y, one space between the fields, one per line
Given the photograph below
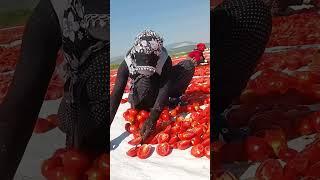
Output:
x=186 y=135
x=49 y=165
x=198 y=150
x=196 y=140
x=207 y=151
x=135 y=141
x=184 y=144
x=132 y=152
x=144 y=151
x=163 y=137
x=163 y=149
x=269 y=169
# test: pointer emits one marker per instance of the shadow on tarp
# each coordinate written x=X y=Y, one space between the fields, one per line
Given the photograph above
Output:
x=114 y=144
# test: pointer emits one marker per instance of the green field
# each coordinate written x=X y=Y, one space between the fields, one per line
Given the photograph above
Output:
x=14 y=18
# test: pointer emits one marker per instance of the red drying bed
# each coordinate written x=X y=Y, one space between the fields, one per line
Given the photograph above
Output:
x=298 y=29
x=9 y=35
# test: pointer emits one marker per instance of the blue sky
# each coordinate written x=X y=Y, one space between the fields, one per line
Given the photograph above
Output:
x=175 y=20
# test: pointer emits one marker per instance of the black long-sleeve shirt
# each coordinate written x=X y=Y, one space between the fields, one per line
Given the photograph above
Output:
x=20 y=109
x=121 y=82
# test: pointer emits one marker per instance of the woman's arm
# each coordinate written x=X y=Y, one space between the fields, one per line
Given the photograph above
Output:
x=161 y=101
x=117 y=92
x=20 y=109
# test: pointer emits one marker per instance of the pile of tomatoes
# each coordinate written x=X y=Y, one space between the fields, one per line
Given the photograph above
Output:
x=298 y=29
x=173 y=131
x=270 y=148
x=70 y=164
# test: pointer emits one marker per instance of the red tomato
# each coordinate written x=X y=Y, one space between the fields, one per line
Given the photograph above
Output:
x=167 y=130
x=165 y=117
x=173 y=113
x=198 y=150
x=163 y=137
x=286 y=154
x=132 y=129
x=184 y=144
x=126 y=115
x=276 y=139
x=314 y=170
x=140 y=118
x=186 y=136
x=135 y=141
x=297 y=166
x=104 y=162
x=174 y=138
x=207 y=151
x=198 y=130
x=180 y=119
x=206 y=142
x=196 y=140
x=132 y=152
x=190 y=108
x=315 y=121
x=75 y=162
x=175 y=129
x=133 y=112
x=59 y=152
x=53 y=119
x=127 y=127
x=144 y=151
x=144 y=114
x=96 y=174
x=61 y=174
x=163 y=149
x=257 y=149
x=305 y=127
x=269 y=169
x=206 y=135
x=185 y=124
x=43 y=126
x=312 y=152
x=49 y=165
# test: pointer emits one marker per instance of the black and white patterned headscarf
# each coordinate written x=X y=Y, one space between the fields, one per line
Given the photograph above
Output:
x=147 y=42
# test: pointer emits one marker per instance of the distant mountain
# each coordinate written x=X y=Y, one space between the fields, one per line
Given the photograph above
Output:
x=173 y=49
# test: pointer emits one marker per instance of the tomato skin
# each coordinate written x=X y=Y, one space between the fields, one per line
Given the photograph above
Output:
x=207 y=151
x=186 y=136
x=140 y=118
x=144 y=114
x=206 y=142
x=49 y=165
x=133 y=112
x=144 y=151
x=163 y=137
x=257 y=149
x=297 y=166
x=314 y=170
x=59 y=152
x=163 y=149
x=61 y=174
x=167 y=130
x=185 y=124
x=75 y=162
x=312 y=152
x=42 y=126
x=132 y=129
x=175 y=129
x=96 y=174
x=305 y=127
x=269 y=169
x=174 y=138
x=184 y=144
x=315 y=121
x=53 y=119
x=197 y=150
x=286 y=154
x=135 y=141
x=132 y=152
x=276 y=139
x=196 y=140
x=198 y=130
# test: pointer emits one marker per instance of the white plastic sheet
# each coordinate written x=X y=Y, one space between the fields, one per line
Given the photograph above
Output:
x=178 y=165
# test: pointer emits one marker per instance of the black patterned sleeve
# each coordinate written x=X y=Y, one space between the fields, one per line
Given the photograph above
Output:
x=20 y=109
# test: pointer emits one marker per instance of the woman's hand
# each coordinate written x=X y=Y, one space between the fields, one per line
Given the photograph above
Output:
x=147 y=129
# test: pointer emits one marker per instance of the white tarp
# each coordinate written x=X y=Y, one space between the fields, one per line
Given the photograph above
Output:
x=178 y=165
